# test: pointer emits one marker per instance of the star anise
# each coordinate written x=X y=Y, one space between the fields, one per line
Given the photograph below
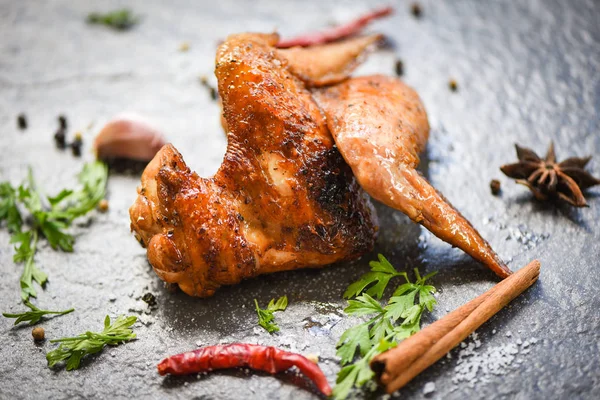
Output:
x=548 y=179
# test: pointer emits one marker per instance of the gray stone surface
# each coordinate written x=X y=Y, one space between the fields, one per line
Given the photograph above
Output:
x=527 y=71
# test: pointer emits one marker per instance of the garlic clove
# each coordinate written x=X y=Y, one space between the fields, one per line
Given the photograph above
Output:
x=128 y=136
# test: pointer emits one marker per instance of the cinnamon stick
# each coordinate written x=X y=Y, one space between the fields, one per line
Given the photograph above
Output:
x=398 y=366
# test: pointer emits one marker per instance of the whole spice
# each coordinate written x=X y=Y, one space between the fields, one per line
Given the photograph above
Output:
x=128 y=137
x=399 y=68
x=62 y=122
x=77 y=144
x=396 y=367
x=337 y=32
x=22 y=121
x=60 y=138
x=236 y=355
x=548 y=179
x=103 y=205
x=453 y=85
x=416 y=10
x=495 y=186
x=38 y=334
x=184 y=46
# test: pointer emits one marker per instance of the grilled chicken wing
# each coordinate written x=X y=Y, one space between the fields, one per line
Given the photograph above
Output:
x=283 y=198
x=380 y=126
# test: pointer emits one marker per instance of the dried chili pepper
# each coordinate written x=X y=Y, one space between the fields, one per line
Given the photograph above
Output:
x=337 y=32
x=260 y=358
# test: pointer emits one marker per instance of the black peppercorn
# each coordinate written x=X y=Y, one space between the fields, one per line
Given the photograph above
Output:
x=453 y=85
x=495 y=186
x=399 y=68
x=62 y=121
x=416 y=10
x=77 y=144
x=213 y=93
x=60 y=139
x=22 y=121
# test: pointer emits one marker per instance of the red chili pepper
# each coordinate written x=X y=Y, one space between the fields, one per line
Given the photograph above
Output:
x=261 y=358
x=337 y=32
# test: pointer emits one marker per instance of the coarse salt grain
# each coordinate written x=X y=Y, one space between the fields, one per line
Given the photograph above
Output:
x=429 y=388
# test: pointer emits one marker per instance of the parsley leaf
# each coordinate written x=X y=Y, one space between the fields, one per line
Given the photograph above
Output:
x=35 y=315
x=355 y=338
x=70 y=204
x=67 y=205
x=50 y=216
x=363 y=305
x=73 y=349
x=379 y=277
x=120 y=20
x=8 y=208
x=397 y=320
x=266 y=317
x=25 y=252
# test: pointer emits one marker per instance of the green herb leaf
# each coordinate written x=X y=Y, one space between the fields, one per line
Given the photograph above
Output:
x=8 y=207
x=51 y=216
x=66 y=206
x=397 y=320
x=25 y=252
x=69 y=204
x=266 y=317
x=398 y=305
x=353 y=339
x=120 y=20
x=35 y=315
x=73 y=349
x=379 y=277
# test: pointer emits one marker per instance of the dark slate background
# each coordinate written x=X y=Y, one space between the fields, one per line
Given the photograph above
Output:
x=527 y=71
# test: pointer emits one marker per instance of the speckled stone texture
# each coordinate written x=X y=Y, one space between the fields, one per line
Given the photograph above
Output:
x=527 y=72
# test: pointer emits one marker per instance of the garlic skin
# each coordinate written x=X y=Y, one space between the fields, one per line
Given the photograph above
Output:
x=128 y=136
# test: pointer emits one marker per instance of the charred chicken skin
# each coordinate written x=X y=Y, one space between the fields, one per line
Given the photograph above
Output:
x=283 y=198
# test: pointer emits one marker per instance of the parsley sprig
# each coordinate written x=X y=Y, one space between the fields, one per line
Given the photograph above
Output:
x=120 y=20
x=49 y=218
x=73 y=349
x=387 y=325
x=35 y=315
x=266 y=317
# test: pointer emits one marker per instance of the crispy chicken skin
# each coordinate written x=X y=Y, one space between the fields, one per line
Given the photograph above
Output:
x=380 y=126
x=283 y=198
x=328 y=64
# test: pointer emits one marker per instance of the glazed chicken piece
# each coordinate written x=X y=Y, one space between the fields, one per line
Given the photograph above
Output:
x=380 y=126
x=283 y=198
